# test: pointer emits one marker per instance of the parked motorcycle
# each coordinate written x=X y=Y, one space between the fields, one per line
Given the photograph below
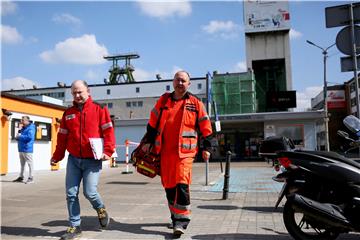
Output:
x=322 y=189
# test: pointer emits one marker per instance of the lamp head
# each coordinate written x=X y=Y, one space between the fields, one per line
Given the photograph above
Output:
x=6 y=113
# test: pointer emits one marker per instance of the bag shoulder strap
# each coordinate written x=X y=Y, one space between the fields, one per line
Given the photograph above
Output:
x=164 y=99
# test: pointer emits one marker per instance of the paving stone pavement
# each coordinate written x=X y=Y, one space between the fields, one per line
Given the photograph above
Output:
x=138 y=209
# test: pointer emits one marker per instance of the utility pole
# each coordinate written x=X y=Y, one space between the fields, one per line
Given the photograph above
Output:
x=326 y=119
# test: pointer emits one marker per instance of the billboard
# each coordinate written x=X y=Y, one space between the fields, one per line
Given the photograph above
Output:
x=266 y=15
x=336 y=99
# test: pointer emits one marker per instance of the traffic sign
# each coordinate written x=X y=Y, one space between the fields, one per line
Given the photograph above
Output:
x=344 y=42
x=347 y=63
x=337 y=16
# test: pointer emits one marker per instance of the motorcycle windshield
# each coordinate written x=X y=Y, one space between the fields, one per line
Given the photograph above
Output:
x=352 y=123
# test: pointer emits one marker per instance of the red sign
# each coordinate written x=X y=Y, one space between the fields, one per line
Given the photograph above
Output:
x=336 y=99
x=339 y=104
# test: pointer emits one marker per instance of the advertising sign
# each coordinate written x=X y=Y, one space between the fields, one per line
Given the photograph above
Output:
x=281 y=99
x=336 y=99
x=265 y=15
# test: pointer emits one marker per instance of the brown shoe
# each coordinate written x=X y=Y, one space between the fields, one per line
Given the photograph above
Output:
x=71 y=233
x=103 y=217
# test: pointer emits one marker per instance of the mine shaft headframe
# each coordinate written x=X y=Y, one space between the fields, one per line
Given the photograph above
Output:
x=119 y=74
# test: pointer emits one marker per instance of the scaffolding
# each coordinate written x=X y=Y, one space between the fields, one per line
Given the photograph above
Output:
x=234 y=93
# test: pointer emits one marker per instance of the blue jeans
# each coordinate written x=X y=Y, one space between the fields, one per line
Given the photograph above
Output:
x=88 y=170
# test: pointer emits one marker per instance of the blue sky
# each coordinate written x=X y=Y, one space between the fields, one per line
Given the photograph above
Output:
x=44 y=42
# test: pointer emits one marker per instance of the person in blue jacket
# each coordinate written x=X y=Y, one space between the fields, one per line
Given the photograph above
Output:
x=26 y=138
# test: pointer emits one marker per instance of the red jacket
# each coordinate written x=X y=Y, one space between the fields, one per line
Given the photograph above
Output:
x=77 y=126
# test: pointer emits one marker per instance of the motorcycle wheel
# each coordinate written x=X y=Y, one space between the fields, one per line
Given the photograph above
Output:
x=300 y=229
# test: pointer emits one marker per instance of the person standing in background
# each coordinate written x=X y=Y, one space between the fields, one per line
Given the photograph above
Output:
x=26 y=138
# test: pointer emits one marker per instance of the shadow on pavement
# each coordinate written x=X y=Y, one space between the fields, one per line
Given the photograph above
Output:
x=264 y=209
x=91 y=223
x=29 y=232
x=218 y=207
x=242 y=236
x=127 y=183
x=87 y=224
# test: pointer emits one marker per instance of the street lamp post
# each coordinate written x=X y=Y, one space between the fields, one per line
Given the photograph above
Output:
x=325 y=54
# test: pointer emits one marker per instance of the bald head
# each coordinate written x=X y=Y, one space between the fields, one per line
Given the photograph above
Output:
x=181 y=83
x=80 y=91
x=77 y=82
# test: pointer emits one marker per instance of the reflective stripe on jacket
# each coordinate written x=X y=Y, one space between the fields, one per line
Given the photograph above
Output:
x=194 y=117
x=78 y=125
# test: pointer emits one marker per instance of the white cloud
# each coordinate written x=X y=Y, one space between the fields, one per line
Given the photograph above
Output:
x=10 y=35
x=223 y=29
x=175 y=69
x=303 y=99
x=66 y=18
x=33 y=39
x=295 y=34
x=144 y=75
x=17 y=83
x=8 y=7
x=83 y=50
x=165 y=9
x=92 y=75
x=240 y=67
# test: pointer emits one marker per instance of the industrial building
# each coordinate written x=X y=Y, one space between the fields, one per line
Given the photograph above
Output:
x=250 y=105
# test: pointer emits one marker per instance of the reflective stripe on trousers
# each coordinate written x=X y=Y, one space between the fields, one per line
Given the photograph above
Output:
x=179 y=202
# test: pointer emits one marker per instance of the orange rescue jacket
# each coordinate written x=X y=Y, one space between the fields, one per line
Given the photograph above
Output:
x=194 y=118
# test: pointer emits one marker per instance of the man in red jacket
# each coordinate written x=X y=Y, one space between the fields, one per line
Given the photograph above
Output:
x=84 y=120
x=181 y=116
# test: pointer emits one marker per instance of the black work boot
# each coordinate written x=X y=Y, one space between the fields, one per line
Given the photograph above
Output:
x=103 y=217
x=71 y=233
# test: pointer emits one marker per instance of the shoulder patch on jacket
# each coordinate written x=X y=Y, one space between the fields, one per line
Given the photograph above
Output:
x=70 y=116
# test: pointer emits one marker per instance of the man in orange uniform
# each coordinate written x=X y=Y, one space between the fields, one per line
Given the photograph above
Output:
x=182 y=115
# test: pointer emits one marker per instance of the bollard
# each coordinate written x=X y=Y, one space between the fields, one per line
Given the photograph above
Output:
x=207 y=173
x=221 y=166
x=227 y=176
x=127 y=171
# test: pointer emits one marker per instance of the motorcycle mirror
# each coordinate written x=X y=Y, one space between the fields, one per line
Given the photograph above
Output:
x=352 y=123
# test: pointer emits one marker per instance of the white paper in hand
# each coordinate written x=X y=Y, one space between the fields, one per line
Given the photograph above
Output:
x=97 y=147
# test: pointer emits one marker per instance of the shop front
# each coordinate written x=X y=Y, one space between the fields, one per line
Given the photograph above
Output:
x=242 y=134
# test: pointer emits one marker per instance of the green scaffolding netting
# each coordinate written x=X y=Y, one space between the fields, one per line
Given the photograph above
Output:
x=234 y=93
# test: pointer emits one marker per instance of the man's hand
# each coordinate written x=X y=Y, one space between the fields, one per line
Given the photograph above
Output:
x=146 y=147
x=105 y=157
x=206 y=155
x=53 y=162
